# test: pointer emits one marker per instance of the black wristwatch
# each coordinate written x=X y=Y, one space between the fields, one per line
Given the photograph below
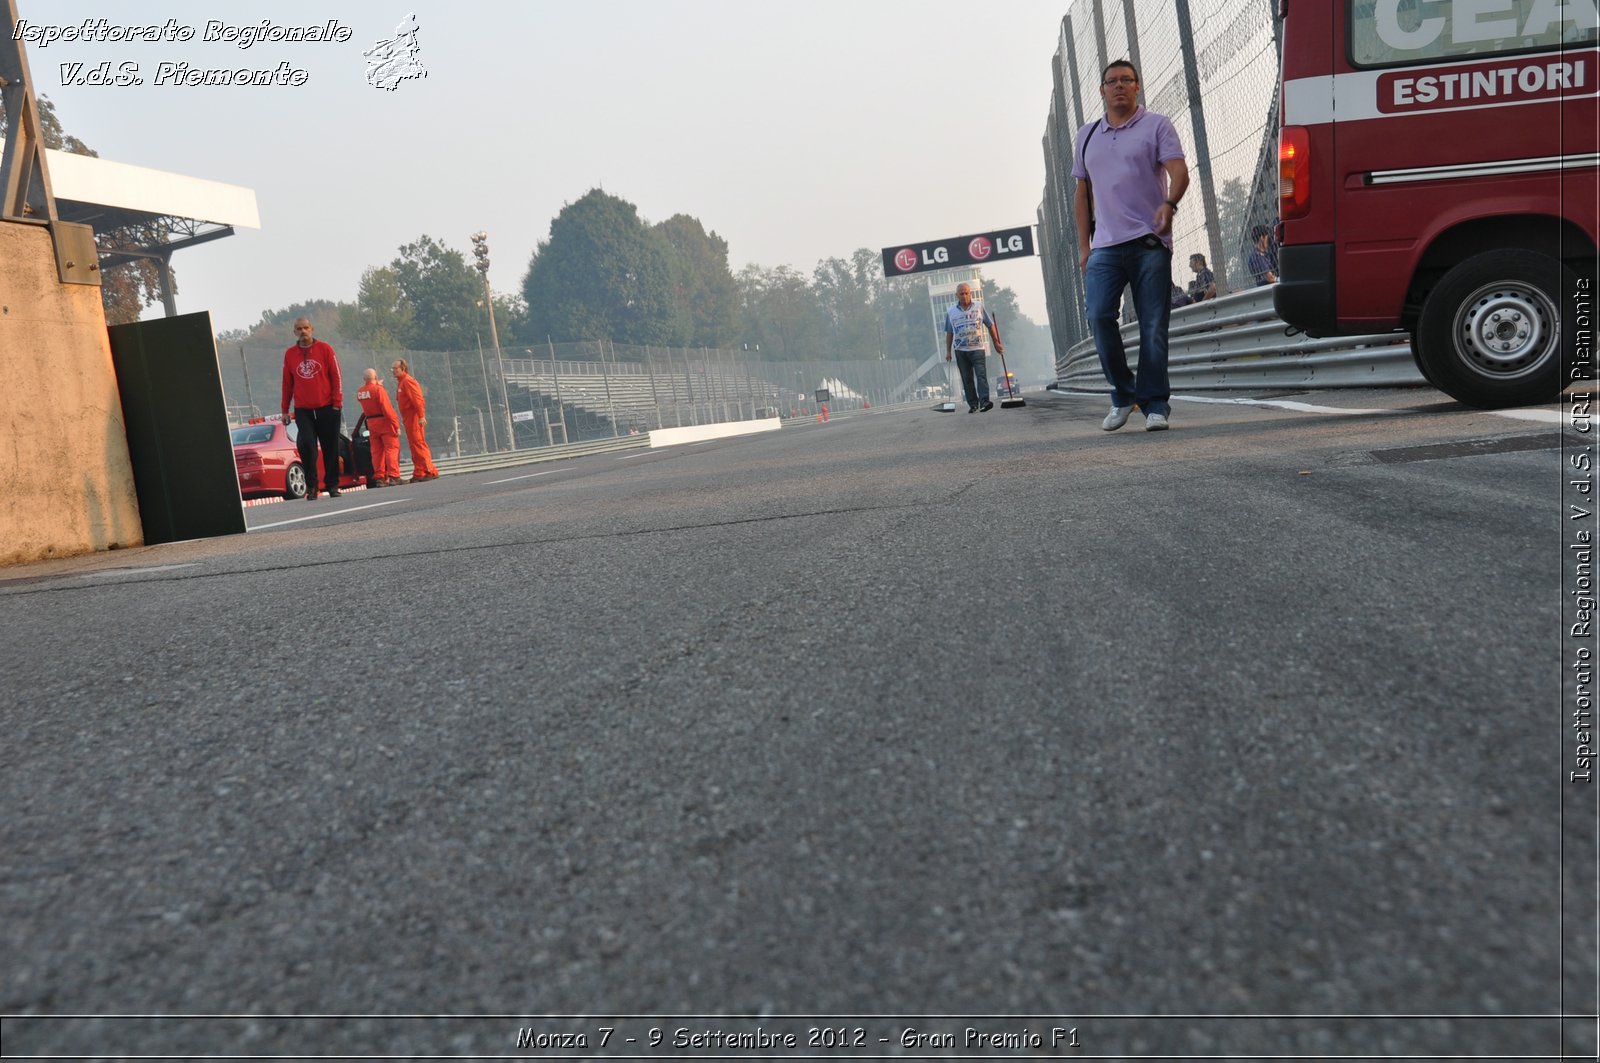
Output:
x=1171 y=203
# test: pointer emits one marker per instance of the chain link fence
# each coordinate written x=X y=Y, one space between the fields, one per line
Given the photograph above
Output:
x=1211 y=66
x=576 y=392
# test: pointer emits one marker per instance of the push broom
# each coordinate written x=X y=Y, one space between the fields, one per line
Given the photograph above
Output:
x=1012 y=400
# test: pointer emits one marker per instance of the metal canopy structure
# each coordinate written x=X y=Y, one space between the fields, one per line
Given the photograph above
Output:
x=138 y=212
x=96 y=208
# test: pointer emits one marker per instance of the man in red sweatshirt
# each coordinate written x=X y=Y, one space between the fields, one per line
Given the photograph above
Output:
x=311 y=381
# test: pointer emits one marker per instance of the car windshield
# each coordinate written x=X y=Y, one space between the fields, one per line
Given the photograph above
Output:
x=252 y=433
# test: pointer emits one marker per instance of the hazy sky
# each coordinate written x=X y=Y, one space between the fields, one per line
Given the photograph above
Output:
x=795 y=131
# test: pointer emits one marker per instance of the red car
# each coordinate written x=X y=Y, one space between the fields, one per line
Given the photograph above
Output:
x=269 y=462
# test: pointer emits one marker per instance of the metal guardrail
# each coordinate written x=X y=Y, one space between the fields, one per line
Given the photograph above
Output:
x=510 y=458
x=1238 y=342
x=506 y=459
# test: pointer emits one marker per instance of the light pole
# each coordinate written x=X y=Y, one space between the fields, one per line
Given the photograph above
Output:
x=480 y=251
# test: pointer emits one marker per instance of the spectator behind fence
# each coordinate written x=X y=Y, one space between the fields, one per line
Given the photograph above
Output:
x=1179 y=297
x=1263 y=259
x=1204 y=285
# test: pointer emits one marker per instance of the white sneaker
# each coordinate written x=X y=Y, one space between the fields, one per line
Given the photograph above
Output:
x=1116 y=418
x=1156 y=422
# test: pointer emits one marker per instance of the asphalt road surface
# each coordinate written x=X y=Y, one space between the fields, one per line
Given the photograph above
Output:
x=1248 y=738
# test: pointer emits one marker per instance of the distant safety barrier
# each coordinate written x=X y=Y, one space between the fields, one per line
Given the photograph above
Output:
x=1238 y=342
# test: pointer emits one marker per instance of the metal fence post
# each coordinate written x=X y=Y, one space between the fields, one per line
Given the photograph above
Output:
x=450 y=385
x=555 y=377
x=605 y=377
x=655 y=400
x=1202 y=144
x=487 y=399
x=688 y=384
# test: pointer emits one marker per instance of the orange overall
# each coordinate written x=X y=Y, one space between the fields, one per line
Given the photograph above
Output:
x=414 y=412
x=384 y=424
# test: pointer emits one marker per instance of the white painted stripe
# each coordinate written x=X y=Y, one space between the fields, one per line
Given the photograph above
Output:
x=1541 y=416
x=1282 y=404
x=135 y=571
x=514 y=479
x=329 y=513
x=1309 y=101
x=630 y=457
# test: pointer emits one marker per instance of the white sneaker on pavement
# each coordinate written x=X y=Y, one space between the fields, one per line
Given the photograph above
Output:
x=1156 y=422
x=1116 y=418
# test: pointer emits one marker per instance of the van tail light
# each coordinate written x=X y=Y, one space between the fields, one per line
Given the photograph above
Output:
x=1294 y=172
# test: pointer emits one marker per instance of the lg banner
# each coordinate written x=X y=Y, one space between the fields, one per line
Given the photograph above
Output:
x=960 y=251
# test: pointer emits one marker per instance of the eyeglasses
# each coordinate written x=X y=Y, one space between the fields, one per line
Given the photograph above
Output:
x=1120 y=81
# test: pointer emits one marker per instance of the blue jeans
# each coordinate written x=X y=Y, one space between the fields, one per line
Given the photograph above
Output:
x=974 y=377
x=1149 y=271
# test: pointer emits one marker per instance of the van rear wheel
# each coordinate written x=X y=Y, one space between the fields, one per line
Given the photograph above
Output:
x=1495 y=329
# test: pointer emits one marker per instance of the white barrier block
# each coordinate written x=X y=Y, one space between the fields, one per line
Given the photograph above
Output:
x=666 y=437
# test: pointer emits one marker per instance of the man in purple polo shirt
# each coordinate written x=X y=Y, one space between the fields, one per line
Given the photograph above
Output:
x=1131 y=175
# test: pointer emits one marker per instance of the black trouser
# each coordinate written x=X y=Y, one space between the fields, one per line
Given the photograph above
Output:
x=320 y=425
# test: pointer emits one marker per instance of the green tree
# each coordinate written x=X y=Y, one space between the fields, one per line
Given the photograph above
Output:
x=276 y=327
x=1233 y=215
x=1001 y=302
x=847 y=294
x=704 y=292
x=382 y=318
x=781 y=314
x=445 y=296
x=902 y=306
x=602 y=274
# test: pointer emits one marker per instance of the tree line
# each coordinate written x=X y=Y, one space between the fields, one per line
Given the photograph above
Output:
x=604 y=272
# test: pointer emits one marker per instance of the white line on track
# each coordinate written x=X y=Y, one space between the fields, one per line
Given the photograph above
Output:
x=629 y=457
x=1282 y=404
x=329 y=513
x=1541 y=416
x=514 y=479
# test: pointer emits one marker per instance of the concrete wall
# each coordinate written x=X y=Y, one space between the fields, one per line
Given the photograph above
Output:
x=66 y=485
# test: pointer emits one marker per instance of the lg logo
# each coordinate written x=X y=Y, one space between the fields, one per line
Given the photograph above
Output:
x=907 y=258
x=981 y=248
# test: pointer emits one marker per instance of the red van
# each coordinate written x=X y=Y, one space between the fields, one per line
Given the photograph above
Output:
x=1437 y=174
